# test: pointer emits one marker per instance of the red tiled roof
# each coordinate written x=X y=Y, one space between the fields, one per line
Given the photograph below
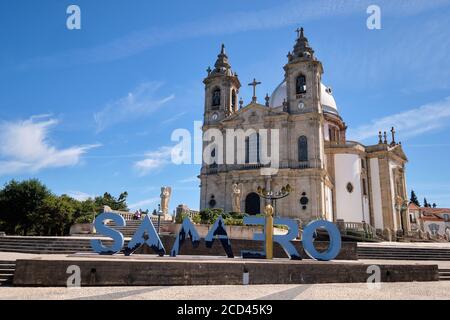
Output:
x=431 y=218
x=435 y=210
x=413 y=206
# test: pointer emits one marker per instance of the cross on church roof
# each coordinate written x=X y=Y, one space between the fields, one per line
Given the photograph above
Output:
x=254 y=84
x=299 y=32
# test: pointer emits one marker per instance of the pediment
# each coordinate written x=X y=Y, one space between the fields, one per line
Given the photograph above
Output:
x=251 y=113
x=398 y=151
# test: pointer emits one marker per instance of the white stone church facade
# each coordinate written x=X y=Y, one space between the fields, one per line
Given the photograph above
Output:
x=332 y=178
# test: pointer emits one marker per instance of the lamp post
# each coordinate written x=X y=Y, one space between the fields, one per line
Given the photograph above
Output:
x=269 y=213
x=159 y=217
x=274 y=196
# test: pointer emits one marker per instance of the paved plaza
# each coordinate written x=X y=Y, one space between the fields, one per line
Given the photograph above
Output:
x=404 y=291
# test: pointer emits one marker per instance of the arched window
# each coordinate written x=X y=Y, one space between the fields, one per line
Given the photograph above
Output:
x=300 y=84
x=302 y=148
x=252 y=148
x=216 y=97
x=233 y=100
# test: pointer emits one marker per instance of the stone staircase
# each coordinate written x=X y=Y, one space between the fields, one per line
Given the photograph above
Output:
x=7 y=269
x=402 y=253
x=132 y=225
x=45 y=245
x=444 y=274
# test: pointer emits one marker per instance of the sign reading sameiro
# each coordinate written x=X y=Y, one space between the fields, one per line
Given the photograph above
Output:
x=146 y=234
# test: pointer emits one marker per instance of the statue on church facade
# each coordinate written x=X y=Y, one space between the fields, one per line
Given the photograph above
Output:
x=166 y=192
x=236 y=197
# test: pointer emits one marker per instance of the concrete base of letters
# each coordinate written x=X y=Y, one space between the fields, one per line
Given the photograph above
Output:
x=150 y=270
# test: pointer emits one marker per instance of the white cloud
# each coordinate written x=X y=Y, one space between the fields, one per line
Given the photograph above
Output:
x=25 y=147
x=146 y=202
x=189 y=180
x=80 y=196
x=174 y=117
x=138 y=103
x=426 y=118
x=154 y=160
x=280 y=15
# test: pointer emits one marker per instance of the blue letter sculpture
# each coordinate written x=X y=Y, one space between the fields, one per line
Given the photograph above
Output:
x=308 y=240
x=187 y=229
x=146 y=234
x=116 y=236
x=256 y=236
x=284 y=240
x=218 y=229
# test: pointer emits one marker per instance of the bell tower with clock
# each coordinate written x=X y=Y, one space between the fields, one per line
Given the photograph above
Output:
x=221 y=90
x=303 y=74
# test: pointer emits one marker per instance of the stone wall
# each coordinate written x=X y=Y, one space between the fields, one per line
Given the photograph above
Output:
x=348 y=250
x=122 y=271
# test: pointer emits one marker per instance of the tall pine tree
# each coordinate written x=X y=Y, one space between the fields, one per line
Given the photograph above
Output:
x=414 y=199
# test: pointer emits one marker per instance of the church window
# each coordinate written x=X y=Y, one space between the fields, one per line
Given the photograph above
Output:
x=302 y=148
x=300 y=84
x=333 y=133
x=304 y=201
x=364 y=187
x=350 y=187
x=216 y=97
x=212 y=201
x=252 y=148
x=233 y=99
x=363 y=164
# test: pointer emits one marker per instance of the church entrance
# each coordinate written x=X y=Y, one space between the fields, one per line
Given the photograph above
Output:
x=252 y=204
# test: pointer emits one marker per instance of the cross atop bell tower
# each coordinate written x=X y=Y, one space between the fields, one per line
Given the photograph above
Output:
x=302 y=49
x=254 y=84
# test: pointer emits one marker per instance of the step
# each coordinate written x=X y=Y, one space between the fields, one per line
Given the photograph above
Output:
x=43 y=247
x=405 y=254
x=403 y=250
x=403 y=258
x=5 y=281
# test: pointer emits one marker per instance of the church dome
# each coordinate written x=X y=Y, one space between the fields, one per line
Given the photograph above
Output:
x=326 y=98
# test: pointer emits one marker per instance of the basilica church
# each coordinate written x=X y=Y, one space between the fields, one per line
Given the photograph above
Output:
x=331 y=177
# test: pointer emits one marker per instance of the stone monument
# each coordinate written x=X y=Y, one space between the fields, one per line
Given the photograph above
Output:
x=236 y=198
x=166 y=192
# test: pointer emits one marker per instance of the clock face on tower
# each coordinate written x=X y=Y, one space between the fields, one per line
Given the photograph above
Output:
x=214 y=117
x=301 y=106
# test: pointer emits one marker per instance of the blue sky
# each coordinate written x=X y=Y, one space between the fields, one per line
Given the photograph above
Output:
x=92 y=110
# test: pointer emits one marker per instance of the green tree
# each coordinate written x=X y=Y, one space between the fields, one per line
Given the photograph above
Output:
x=425 y=203
x=107 y=199
x=414 y=199
x=208 y=215
x=19 y=205
x=55 y=215
x=86 y=212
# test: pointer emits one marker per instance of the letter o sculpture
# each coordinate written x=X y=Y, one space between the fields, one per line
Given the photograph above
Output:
x=308 y=240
